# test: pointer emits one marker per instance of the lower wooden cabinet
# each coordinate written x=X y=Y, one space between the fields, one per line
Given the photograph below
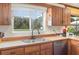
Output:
x=36 y=49
x=42 y=49
x=47 y=49
x=32 y=50
x=16 y=51
x=74 y=47
x=33 y=53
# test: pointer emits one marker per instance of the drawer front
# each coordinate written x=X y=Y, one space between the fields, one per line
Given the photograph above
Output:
x=32 y=48
x=46 y=45
x=17 y=51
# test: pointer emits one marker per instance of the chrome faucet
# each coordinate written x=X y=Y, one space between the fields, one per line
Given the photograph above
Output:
x=32 y=34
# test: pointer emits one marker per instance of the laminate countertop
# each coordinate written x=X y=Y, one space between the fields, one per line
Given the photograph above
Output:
x=60 y=38
x=21 y=43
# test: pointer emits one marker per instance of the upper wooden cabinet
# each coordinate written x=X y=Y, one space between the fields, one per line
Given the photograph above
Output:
x=5 y=10
x=57 y=16
x=66 y=16
x=60 y=16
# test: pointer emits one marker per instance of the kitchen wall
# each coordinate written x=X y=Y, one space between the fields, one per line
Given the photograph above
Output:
x=7 y=29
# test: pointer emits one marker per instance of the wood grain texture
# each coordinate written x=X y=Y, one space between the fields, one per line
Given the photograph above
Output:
x=5 y=13
x=34 y=49
x=66 y=17
x=17 y=51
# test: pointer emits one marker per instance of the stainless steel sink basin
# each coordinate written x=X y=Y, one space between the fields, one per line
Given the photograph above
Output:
x=34 y=40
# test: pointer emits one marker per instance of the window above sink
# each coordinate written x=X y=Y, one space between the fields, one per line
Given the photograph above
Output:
x=24 y=15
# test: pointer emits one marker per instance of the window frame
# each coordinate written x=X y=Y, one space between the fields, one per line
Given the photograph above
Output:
x=30 y=6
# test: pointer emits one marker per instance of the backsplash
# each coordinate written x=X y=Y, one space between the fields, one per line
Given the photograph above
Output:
x=7 y=29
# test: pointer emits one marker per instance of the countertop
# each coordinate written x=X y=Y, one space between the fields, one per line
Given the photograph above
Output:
x=60 y=38
x=20 y=42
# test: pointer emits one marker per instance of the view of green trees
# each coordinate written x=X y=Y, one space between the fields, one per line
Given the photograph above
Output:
x=21 y=23
x=37 y=23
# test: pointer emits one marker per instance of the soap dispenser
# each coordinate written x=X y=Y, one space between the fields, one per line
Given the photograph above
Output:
x=64 y=31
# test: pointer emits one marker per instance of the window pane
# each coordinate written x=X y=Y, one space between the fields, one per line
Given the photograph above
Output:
x=20 y=11
x=74 y=27
x=37 y=19
x=21 y=23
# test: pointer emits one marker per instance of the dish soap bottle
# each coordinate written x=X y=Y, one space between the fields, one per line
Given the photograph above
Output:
x=64 y=32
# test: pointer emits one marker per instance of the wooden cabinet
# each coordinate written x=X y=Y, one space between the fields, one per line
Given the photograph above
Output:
x=16 y=51
x=32 y=50
x=60 y=16
x=66 y=16
x=5 y=13
x=57 y=16
x=36 y=49
x=41 y=49
x=47 y=49
x=74 y=47
x=60 y=47
x=1 y=20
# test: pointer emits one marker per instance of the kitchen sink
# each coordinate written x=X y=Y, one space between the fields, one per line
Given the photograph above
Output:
x=35 y=40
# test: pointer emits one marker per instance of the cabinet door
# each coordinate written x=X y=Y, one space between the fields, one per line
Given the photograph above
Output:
x=74 y=47
x=16 y=51
x=43 y=52
x=74 y=50
x=33 y=53
x=66 y=16
x=6 y=10
x=46 y=45
x=47 y=49
x=32 y=50
x=1 y=20
x=77 y=49
x=37 y=53
x=57 y=16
